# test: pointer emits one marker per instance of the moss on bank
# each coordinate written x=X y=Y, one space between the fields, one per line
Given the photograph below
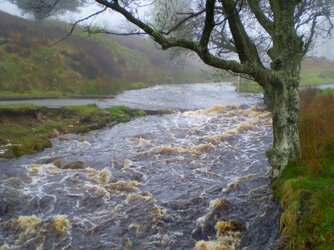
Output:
x=307 y=201
x=306 y=188
x=25 y=129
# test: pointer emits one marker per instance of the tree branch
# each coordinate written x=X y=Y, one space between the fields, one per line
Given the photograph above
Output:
x=310 y=38
x=76 y=23
x=247 y=51
x=179 y=24
x=166 y=43
x=102 y=31
x=265 y=22
x=209 y=24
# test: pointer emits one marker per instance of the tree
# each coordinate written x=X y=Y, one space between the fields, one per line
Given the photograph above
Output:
x=264 y=40
x=42 y=9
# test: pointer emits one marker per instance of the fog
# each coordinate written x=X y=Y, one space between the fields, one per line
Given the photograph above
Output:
x=105 y=20
x=114 y=21
x=325 y=48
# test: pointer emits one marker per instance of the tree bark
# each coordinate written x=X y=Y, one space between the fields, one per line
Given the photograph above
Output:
x=286 y=144
x=268 y=96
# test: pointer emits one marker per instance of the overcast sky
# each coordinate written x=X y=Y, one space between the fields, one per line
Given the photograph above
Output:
x=106 y=19
x=116 y=22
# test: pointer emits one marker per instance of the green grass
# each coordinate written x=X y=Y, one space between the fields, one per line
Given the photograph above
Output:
x=31 y=93
x=307 y=200
x=81 y=110
x=248 y=86
x=25 y=138
x=124 y=114
x=326 y=92
x=308 y=78
x=138 y=85
x=29 y=128
x=22 y=106
x=42 y=71
x=306 y=188
x=317 y=71
x=317 y=76
x=80 y=65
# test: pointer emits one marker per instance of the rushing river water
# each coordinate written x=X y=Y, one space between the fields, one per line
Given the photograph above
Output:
x=196 y=178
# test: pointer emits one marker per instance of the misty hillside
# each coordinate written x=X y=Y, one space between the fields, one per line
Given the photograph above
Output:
x=81 y=64
x=317 y=70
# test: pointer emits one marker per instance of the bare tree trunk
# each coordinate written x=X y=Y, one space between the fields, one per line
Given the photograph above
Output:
x=286 y=144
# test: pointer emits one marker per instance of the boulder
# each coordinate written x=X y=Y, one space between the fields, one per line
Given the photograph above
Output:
x=74 y=165
x=56 y=160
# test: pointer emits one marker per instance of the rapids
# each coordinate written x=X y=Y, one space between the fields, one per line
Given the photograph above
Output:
x=194 y=179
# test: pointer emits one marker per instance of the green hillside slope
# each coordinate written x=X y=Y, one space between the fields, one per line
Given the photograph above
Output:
x=80 y=65
x=314 y=71
x=317 y=71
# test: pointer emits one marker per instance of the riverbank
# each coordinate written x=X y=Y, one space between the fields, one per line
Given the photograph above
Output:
x=172 y=181
x=45 y=97
x=248 y=86
x=306 y=189
x=26 y=129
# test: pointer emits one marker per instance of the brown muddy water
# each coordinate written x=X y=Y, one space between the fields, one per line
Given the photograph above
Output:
x=195 y=179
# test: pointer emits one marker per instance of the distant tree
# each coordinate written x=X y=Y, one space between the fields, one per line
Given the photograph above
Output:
x=42 y=9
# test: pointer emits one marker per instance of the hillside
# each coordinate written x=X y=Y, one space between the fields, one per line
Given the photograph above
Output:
x=317 y=70
x=82 y=64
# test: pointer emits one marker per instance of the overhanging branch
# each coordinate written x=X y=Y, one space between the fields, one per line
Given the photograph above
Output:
x=184 y=43
x=179 y=24
x=108 y=32
x=76 y=23
x=264 y=21
x=246 y=49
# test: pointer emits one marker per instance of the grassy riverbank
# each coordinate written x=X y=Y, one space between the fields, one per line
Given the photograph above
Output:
x=306 y=189
x=25 y=129
x=315 y=71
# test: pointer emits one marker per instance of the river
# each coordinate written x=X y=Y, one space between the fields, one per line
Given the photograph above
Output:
x=196 y=178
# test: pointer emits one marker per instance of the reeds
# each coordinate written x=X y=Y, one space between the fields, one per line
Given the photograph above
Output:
x=316 y=129
x=306 y=189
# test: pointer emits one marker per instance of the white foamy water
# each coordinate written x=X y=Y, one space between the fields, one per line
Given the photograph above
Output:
x=196 y=178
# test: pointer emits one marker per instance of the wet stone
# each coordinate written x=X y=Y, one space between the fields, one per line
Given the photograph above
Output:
x=206 y=224
x=3 y=176
x=14 y=202
x=244 y=106
x=4 y=208
x=56 y=160
x=75 y=165
x=93 y=126
x=3 y=142
x=135 y=176
x=45 y=203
